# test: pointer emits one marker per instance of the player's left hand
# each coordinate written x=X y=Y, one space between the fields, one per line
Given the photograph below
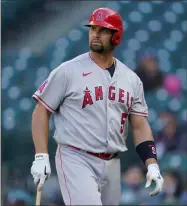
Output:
x=153 y=174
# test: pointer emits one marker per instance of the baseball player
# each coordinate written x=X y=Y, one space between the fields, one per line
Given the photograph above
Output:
x=93 y=98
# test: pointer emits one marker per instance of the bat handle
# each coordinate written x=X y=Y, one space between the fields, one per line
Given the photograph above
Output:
x=38 y=197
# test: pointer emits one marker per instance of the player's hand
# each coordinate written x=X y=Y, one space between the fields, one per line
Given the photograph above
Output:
x=153 y=174
x=40 y=169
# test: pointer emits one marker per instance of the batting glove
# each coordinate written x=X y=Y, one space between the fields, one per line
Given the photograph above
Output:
x=40 y=169
x=153 y=174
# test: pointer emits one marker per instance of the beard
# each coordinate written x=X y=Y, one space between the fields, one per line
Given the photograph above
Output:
x=100 y=48
x=97 y=48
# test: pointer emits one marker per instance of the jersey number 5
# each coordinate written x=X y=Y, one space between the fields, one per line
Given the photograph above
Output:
x=123 y=119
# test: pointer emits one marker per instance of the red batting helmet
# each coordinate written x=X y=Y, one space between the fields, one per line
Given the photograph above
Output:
x=110 y=19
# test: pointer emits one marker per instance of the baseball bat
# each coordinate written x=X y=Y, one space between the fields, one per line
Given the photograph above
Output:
x=38 y=197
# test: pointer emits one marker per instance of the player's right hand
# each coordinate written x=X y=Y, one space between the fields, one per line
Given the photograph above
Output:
x=40 y=169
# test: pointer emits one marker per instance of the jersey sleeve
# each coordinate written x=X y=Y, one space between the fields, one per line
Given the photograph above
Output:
x=53 y=90
x=139 y=106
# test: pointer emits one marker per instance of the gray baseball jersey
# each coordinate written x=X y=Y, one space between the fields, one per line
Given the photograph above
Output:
x=90 y=107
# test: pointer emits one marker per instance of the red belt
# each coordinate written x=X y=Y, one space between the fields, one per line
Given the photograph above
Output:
x=105 y=156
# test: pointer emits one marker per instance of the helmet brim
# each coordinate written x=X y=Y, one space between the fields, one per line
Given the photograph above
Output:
x=101 y=23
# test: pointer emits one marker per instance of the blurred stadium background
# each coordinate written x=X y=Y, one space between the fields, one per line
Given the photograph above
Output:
x=37 y=36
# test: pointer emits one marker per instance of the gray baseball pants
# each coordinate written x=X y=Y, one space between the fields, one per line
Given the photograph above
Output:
x=87 y=180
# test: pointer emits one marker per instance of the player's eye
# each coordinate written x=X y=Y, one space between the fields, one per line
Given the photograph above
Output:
x=106 y=31
x=93 y=28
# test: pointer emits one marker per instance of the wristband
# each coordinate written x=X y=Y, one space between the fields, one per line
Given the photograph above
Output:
x=146 y=150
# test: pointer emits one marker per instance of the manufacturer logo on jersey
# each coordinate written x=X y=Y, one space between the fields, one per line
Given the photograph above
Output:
x=86 y=74
x=41 y=88
x=120 y=96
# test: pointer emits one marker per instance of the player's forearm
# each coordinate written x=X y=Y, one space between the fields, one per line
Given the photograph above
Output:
x=143 y=139
x=40 y=129
x=142 y=132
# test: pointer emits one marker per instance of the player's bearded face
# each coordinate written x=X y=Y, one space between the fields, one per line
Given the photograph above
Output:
x=100 y=39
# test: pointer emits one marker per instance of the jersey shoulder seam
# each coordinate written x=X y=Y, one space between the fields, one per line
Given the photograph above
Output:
x=73 y=60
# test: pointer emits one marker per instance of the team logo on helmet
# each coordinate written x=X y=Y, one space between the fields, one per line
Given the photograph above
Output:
x=99 y=16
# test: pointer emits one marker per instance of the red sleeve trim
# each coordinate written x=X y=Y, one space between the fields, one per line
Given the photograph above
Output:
x=35 y=96
x=143 y=113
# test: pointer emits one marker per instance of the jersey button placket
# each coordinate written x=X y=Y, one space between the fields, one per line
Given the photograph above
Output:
x=107 y=74
x=107 y=117
x=112 y=82
x=109 y=120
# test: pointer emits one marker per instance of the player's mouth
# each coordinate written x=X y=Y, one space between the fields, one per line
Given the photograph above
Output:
x=96 y=42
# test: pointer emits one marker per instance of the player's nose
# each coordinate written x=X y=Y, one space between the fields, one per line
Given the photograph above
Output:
x=96 y=34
